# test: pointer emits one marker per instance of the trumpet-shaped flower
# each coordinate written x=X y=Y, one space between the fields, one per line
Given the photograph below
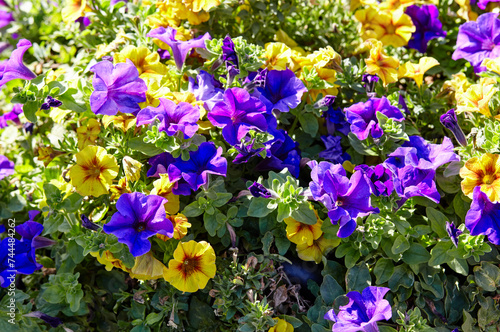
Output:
x=5 y=18
x=482 y=172
x=278 y=56
x=93 y=172
x=206 y=89
x=381 y=179
x=147 y=63
x=159 y=164
x=139 y=217
x=282 y=91
x=300 y=233
x=192 y=267
x=6 y=167
x=23 y=262
x=380 y=64
x=73 y=10
x=281 y=326
x=117 y=88
x=14 y=67
x=483 y=217
x=453 y=232
x=491 y=65
x=333 y=150
x=427 y=26
x=163 y=187
x=88 y=134
x=181 y=226
x=124 y=122
x=477 y=97
x=282 y=153
x=417 y=71
x=258 y=190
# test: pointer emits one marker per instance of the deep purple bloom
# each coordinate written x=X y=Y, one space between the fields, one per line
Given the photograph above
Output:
x=255 y=79
x=117 y=88
x=453 y=232
x=281 y=154
x=483 y=3
x=5 y=18
x=194 y=172
x=228 y=52
x=50 y=102
x=52 y=321
x=362 y=312
x=258 y=190
x=246 y=151
x=30 y=232
x=369 y=84
x=427 y=26
x=159 y=164
x=164 y=55
x=138 y=218
x=84 y=22
x=483 y=218
x=11 y=116
x=345 y=199
x=478 y=40
x=237 y=114
x=6 y=167
x=180 y=49
x=207 y=89
x=336 y=121
x=363 y=117
x=14 y=67
x=16 y=257
x=380 y=179
x=89 y=224
x=173 y=117
x=422 y=154
x=450 y=121
x=283 y=90
x=333 y=151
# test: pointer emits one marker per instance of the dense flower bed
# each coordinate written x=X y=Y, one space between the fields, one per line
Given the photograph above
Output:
x=225 y=165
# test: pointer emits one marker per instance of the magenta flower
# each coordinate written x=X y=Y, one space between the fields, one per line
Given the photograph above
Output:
x=237 y=114
x=11 y=116
x=427 y=26
x=479 y=40
x=483 y=217
x=483 y=3
x=117 y=88
x=14 y=67
x=380 y=179
x=6 y=167
x=173 y=117
x=363 y=117
x=5 y=18
x=138 y=218
x=180 y=49
x=282 y=91
x=362 y=312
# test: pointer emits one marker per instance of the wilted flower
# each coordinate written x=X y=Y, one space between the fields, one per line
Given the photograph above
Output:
x=417 y=71
x=427 y=26
x=369 y=84
x=89 y=224
x=482 y=172
x=14 y=67
x=131 y=168
x=483 y=216
x=315 y=252
x=449 y=120
x=6 y=167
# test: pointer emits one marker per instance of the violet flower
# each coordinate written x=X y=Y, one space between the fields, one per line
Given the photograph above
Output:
x=89 y=224
x=380 y=179
x=369 y=84
x=159 y=164
x=23 y=263
x=228 y=52
x=453 y=232
x=402 y=102
x=180 y=49
x=363 y=117
x=138 y=218
x=483 y=216
x=6 y=167
x=237 y=114
x=427 y=26
x=11 y=116
x=362 y=312
x=283 y=90
x=30 y=234
x=333 y=152
x=258 y=190
x=14 y=67
x=207 y=89
x=52 y=321
x=478 y=40
x=173 y=117
x=326 y=101
x=246 y=151
x=117 y=88
x=281 y=154
x=450 y=121
x=345 y=199
x=483 y=3
x=5 y=18
x=336 y=121
x=50 y=102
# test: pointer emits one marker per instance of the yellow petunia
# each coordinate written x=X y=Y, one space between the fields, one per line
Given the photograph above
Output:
x=300 y=233
x=131 y=168
x=192 y=266
x=88 y=133
x=124 y=122
x=417 y=70
x=316 y=251
x=73 y=10
x=458 y=84
x=281 y=326
x=483 y=172
x=278 y=56
x=163 y=187
x=119 y=189
x=477 y=97
x=93 y=172
x=466 y=11
x=380 y=64
x=109 y=261
x=492 y=65
x=147 y=63
x=147 y=267
x=181 y=226
x=199 y=5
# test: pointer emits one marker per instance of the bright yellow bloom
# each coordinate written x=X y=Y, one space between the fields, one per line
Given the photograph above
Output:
x=181 y=226
x=73 y=10
x=484 y=172
x=163 y=187
x=147 y=62
x=171 y=12
x=300 y=233
x=458 y=84
x=88 y=134
x=131 y=168
x=355 y=4
x=380 y=64
x=465 y=10
x=282 y=37
x=492 y=65
x=93 y=172
x=326 y=62
x=124 y=122
x=119 y=189
x=278 y=56
x=395 y=4
x=477 y=97
x=316 y=251
x=147 y=267
x=110 y=261
x=104 y=49
x=281 y=326
x=199 y=5
x=192 y=266
x=417 y=71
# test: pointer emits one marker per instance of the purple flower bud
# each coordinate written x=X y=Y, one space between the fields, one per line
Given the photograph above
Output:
x=52 y=321
x=453 y=232
x=28 y=127
x=402 y=102
x=326 y=101
x=449 y=120
x=369 y=85
x=89 y=224
x=228 y=51
x=258 y=190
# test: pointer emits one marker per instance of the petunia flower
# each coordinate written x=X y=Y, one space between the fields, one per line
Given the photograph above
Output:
x=427 y=26
x=477 y=97
x=333 y=150
x=483 y=172
x=453 y=232
x=93 y=172
x=207 y=89
x=6 y=167
x=14 y=67
x=479 y=40
x=316 y=251
x=483 y=216
x=483 y=3
x=52 y=321
x=147 y=63
x=369 y=84
x=163 y=187
x=417 y=71
x=246 y=151
x=88 y=133
x=281 y=326
x=237 y=114
x=139 y=217
x=300 y=233
x=336 y=121
x=73 y=10
x=159 y=164
x=11 y=116
x=116 y=88
x=363 y=117
x=173 y=118
x=258 y=190
x=362 y=312
x=180 y=49
x=181 y=226
x=449 y=121
x=5 y=18
x=380 y=64
x=281 y=153
x=380 y=178
x=192 y=267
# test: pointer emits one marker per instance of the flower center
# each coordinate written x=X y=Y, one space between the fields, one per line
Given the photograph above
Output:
x=488 y=179
x=140 y=227
x=340 y=203
x=390 y=29
x=189 y=265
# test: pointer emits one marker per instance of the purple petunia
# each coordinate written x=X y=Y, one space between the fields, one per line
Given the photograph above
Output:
x=258 y=190
x=237 y=114
x=282 y=91
x=281 y=153
x=14 y=67
x=11 y=116
x=427 y=26
x=173 y=117
x=207 y=89
x=483 y=3
x=333 y=151
x=483 y=217
x=336 y=121
x=246 y=151
x=5 y=18
x=345 y=199
x=363 y=117
x=52 y=321
x=139 y=217
x=6 y=167
x=159 y=164
x=180 y=49
x=362 y=312
x=453 y=232
x=450 y=121
x=381 y=179
x=117 y=88
x=479 y=40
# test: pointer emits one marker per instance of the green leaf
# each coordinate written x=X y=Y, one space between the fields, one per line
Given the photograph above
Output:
x=330 y=290
x=282 y=243
x=385 y=328
x=439 y=253
x=211 y=224
x=259 y=207
x=459 y=266
x=17 y=203
x=402 y=276
x=488 y=314
x=487 y=276
x=400 y=245
x=155 y=317
x=359 y=146
x=200 y=314
x=358 y=277
x=305 y=214
x=309 y=123
x=319 y=328
x=72 y=203
x=267 y=240
x=74 y=297
x=29 y=110
x=75 y=251
x=383 y=270
x=54 y=294
x=138 y=144
x=438 y=222
x=69 y=102
x=192 y=210
x=416 y=254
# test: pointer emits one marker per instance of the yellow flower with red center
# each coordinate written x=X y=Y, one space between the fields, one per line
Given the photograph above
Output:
x=477 y=97
x=147 y=63
x=119 y=189
x=316 y=251
x=417 y=70
x=192 y=266
x=88 y=133
x=181 y=226
x=484 y=172
x=163 y=187
x=300 y=233
x=380 y=64
x=73 y=10
x=122 y=121
x=93 y=172
x=281 y=326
